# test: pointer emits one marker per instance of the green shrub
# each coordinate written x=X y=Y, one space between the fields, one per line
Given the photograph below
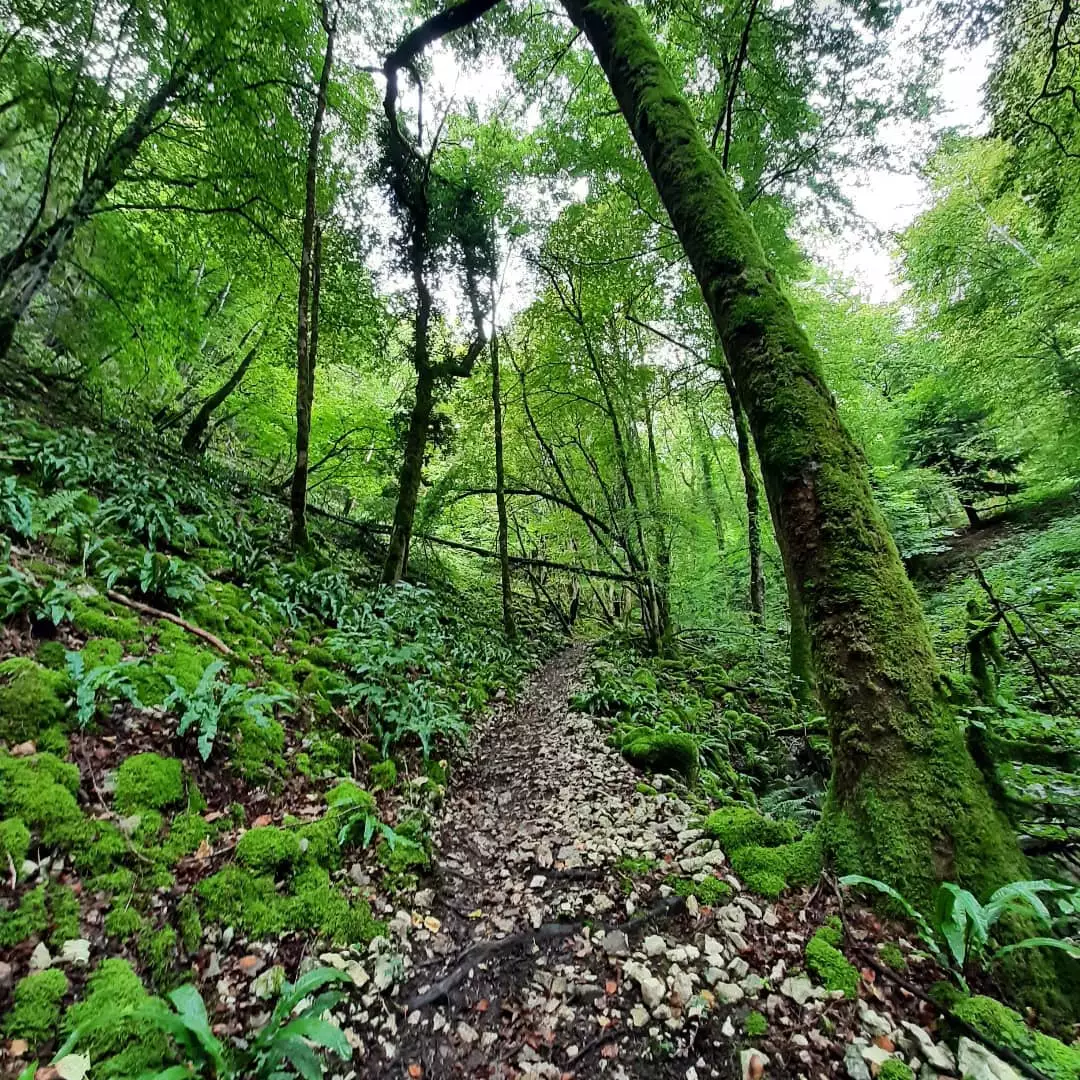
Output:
x=755 y=1025
x=35 y=1016
x=148 y=782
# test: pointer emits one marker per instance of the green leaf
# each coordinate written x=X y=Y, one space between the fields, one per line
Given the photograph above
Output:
x=322 y=1033
x=1068 y=947
x=1026 y=892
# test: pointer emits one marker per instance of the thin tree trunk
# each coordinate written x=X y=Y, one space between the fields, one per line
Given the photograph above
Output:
x=907 y=803
x=305 y=368
x=412 y=466
x=753 y=500
x=192 y=443
x=500 y=490
x=712 y=503
x=39 y=252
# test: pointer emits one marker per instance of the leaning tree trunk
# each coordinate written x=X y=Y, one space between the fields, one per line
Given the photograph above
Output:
x=907 y=803
x=37 y=253
x=193 y=440
x=306 y=304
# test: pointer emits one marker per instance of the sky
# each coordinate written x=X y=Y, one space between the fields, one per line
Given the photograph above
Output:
x=891 y=201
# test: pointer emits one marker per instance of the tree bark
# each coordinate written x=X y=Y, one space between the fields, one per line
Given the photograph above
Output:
x=500 y=491
x=306 y=304
x=907 y=803
x=412 y=466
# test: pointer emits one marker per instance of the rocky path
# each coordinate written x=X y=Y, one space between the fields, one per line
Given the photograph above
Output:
x=547 y=944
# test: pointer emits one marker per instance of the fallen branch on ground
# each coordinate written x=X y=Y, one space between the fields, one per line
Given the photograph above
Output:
x=486 y=950
x=153 y=612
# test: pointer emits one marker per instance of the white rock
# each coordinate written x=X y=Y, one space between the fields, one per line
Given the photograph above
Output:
x=728 y=993
x=653 y=945
x=728 y=1030
x=746 y=1060
x=977 y=1063
x=467 y=1033
x=614 y=943
x=40 y=958
x=639 y=1016
x=76 y=951
x=732 y=917
x=917 y=1041
x=799 y=988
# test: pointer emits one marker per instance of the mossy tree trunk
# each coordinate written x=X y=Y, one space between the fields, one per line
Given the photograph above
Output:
x=907 y=803
x=500 y=489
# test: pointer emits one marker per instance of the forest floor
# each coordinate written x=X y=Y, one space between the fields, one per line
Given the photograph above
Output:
x=546 y=944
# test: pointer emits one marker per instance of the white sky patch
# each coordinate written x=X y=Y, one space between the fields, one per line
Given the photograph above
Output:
x=890 y=201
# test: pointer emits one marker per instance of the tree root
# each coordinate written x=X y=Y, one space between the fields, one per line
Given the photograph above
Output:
x=486 y=950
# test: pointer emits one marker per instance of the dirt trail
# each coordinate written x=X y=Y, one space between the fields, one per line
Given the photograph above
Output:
x=531 y=953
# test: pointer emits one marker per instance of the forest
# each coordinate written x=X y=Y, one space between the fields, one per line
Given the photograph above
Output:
x=488 y=590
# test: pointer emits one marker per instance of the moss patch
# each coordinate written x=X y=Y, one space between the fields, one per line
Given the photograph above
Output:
x=32 y=699
x=998 y=1022
x=829 y=963
x=771 y=870
x=14 y=841
x=671 y=752
x=148 y=782
x=30 y=917
x=268 y=850
x=740 y=826
x=711 y=891
x=36 y=1013
x=40 y=791
x=895 y=1070
x=116 y=1042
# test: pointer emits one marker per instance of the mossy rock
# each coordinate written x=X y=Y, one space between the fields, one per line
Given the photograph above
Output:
x=268 y=850
x=158 y=953
x=30 y=918
x=51 y=654
x=998 y=1022
x=40 y=791
x=257 y=749
x=768 y=871
x=123 y=921
x=710 y=891
x=96 y=617
x=740 y=826
x=148 y=782
x=671 y=752
x=120 y=1044
x=384 y=775
x=32 y=699
x=237 y=897
x=35 y=1015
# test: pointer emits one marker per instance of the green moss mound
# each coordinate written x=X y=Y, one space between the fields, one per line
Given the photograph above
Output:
x=895 y=1070
x=40 y=791
x=268 y=850
x=1002 y=1024
x=30 y=917
x=740 y=826
x=671 y=752
x=829 y=964
x=35 y=1016
x=14 y=841
x=148 y=782
x=119 y=1044
x=32 y=699
x=755 y=1025
x=711 y=891
x=771 y=870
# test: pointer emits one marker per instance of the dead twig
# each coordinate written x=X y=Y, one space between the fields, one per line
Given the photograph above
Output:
x=156 y=613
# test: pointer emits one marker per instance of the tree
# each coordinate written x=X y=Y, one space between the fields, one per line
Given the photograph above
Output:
x=947 y=433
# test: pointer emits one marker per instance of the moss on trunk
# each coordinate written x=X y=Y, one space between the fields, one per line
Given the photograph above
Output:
x=907 y=803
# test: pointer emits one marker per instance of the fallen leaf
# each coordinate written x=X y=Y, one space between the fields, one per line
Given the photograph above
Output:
x=868 y=975
x=18 y=1047
x=23 y=749
x=611 y=987
x=432 y=924
x=261 y=820
x=756 y=1069
x=73 y=1067
x=214 y=815
x=609 y=1050
x=416 y=1071
x=481 y=1005
x=885 y=1043
x=204 y=850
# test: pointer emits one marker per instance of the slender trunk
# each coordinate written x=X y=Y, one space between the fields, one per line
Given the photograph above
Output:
x=40 y=251
x=500 y=490
x=412 y=466
x=305 y=368
x=712 y=503
x=662 y=585
x=974 y=521
x=753 y=500
x=907 y=803
x=192 y=443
